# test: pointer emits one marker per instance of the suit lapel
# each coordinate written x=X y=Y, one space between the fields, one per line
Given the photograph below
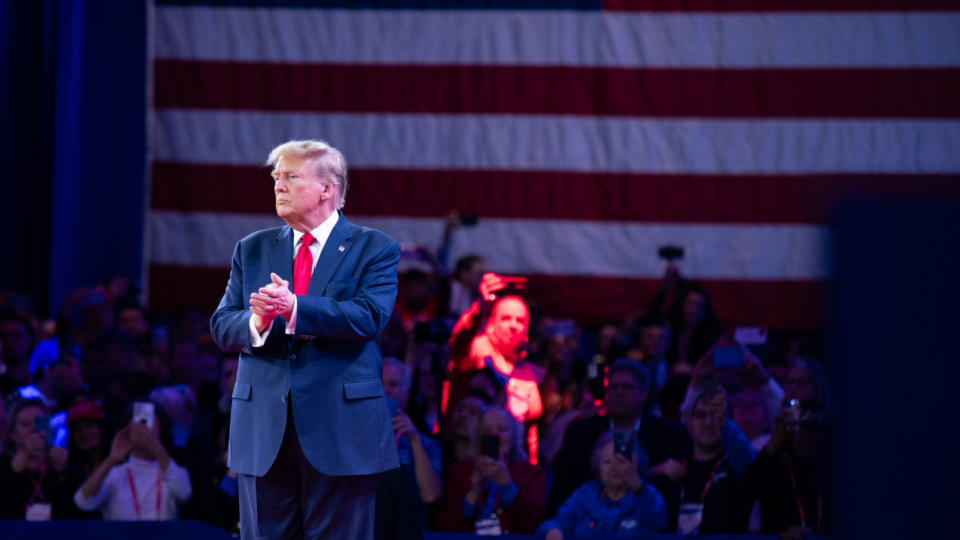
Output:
x=336 y=248
x=281 y=256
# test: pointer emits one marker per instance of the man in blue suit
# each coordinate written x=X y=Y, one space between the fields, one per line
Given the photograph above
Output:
x=304 y=307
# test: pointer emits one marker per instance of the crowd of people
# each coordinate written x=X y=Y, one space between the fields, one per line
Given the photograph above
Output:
x=507 y=421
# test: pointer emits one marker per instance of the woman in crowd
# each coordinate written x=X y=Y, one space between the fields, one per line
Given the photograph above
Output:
x=618 y=503
x=148 y=486
x=88 y=442
x=806 y=381
x=694 y=323
x=505 y=494
x=34 y=481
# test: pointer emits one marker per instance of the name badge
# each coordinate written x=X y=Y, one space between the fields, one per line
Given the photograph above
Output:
x=691 y=514
x=488 y=527
x=39 y=512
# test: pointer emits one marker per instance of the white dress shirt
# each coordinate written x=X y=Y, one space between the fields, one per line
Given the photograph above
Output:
x=115 y=498
x=320 y=236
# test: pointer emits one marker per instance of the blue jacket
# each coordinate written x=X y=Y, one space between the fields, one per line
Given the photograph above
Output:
x=586 y=514
x=331 y=368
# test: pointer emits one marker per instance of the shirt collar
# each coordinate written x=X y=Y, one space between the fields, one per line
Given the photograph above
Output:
x=321 y=233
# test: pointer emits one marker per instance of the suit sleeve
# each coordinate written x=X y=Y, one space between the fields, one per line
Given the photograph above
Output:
x=230 y=324
x=364 y=316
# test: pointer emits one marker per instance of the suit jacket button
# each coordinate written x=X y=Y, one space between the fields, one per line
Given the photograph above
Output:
x=293 y=357
x=283 y=397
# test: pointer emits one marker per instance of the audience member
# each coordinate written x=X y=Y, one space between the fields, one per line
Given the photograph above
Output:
x=216 y=499
x=138 y=480
x=180 y=404
x=806 y=381
x=499 y=494
x=35 y=482
x=617 y=503
x=206 y=430
x=665 y=442
x=750 y=411
x=787 y=476
x=694 y=324
x=710 y=500
x=89 y=442
x=499 y=347
x=16 y=343
x=465 y=429
x=413 y=447
x=55 y=368
x=465 y=284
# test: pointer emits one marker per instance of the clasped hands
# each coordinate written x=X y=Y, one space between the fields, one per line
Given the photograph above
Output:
x=272 y=301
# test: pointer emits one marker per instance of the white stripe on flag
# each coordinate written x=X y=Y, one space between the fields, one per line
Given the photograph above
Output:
x=575 y=38
x=570 y=143
x=753 y=252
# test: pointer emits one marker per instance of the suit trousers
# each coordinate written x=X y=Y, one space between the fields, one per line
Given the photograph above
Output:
x=296 y=501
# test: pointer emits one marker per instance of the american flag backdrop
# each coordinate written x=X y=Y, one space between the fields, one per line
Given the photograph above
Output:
x=584 y=134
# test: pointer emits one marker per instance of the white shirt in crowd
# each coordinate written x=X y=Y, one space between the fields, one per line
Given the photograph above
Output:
x=320 y=236
x=116 y=497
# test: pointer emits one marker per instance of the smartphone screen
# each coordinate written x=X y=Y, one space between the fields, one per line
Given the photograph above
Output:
x=143 y=413
x=490 y=446
x=727 y=356
x=623 y=443
x=393 y=406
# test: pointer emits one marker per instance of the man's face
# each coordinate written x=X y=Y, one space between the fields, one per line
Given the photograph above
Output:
x=654 y=341
x=15 y=342
x=704 y=430
x=65 y=376
x=694 y=306
x=508 y=324
x=394 y=386
x=228 y=375
x=184 y=362
x=472 y=277
x=799 y=385
x=297 y=189
x=133 y=323
x=465 y=415
x=624 y=396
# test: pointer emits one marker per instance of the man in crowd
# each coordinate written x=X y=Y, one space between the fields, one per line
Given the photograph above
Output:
x=664 y=441
x=465 y=284
x=309 y=428
x=414 y=448
x=55 y=368
x=16 y=342
x=710 y=501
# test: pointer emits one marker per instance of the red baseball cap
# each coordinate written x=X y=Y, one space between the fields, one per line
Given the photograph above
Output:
x=83 y=409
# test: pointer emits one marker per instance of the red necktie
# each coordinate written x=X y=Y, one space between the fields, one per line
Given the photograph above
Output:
x=303 y=266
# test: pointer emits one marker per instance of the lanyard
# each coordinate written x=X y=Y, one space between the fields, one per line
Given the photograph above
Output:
x=796 y=496
x=136 y=500
x=38 y=484
x=709 y=483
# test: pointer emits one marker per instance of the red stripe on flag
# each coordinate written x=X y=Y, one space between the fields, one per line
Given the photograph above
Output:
x=780 y=5
x=548 y=195
x=726 y=93
x=780 y=305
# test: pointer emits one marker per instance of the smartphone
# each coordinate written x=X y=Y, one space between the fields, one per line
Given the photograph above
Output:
x=670 y=253
x=515 y=286
x=393 y=405
x=750 y=335
x=727 y=356
x=490 y=446
x=623 y=443
x=143 y=413
x=792 y=407
x=42 y=424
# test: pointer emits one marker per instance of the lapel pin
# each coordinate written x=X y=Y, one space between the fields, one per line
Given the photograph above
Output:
x=342 y=248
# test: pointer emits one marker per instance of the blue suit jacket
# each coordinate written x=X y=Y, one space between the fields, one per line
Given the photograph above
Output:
x=331 y=367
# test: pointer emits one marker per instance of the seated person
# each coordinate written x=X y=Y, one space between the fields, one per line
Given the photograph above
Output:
x=787 y=476
x=464 y=429
x=618 y=503
x=505 y=494
x=149 y=486
x=35 y=483
x=710 y=501
x=665 y=442
x=413 y=447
